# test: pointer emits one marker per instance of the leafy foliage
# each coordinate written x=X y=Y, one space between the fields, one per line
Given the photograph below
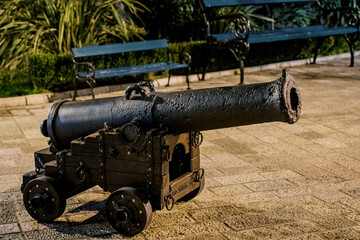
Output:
x=341 y=12
x=290 y=15
x=182 y=20
x=54 y=26
x=176 y=20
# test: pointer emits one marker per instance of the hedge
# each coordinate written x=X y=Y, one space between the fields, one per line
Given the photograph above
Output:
x=55 y=72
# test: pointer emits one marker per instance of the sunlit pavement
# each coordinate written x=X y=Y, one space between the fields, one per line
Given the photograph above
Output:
x=267 y=181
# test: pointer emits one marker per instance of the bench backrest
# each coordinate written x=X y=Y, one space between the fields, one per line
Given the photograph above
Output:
x=229 y=3
x=119 y=48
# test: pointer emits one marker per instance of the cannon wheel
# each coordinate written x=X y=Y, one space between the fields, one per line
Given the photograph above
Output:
x=42 y=199
x=194 y=193
x=127 y=212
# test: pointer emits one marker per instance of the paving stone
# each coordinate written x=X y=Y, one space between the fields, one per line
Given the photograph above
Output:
x=310 y=135
x=280 y=231
x=161 y=219
x=10 y=197
x=186 y=230
x=10 y=187
x=334 y=222
x=85 y=217
x=352 y=203
x=331 y=196
x=254 y=197
x=239 y=170
x=353 y=217
x=51 y=233
x=354 y=193
x=210 y=182
x=231 y=146
x=226 y=159
x=284 y=174
x=316 y=180
x=7 y=213
x=33 y=225
x=325 y=209
x=9 y=228
x=269 y=185
x=343 y=160
x=341 y=171
x=299 y=165
x=217 y=212
x=309 y=236
x=230 y=190
x=19 y=112
x=245 y=221
x=344 y=234
x=14 y=236
x=13 y=178
x=10 y=151
x=244 y=178
x=207 y=237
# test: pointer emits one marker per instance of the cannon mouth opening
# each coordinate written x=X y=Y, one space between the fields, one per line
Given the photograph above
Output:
x=294 y=99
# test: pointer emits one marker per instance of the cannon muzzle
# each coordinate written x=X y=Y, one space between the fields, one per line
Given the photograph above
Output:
x=178 y=112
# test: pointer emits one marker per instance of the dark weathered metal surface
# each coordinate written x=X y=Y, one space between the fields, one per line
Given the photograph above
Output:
x=178 y=112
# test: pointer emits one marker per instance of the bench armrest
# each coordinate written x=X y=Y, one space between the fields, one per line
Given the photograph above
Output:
x=242 y=27
x=90 y=69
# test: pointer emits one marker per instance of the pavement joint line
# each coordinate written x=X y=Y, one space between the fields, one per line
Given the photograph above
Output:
x=51 y=97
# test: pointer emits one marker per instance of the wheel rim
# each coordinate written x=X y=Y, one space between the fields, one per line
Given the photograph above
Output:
x=42 y=200
x=127 y=213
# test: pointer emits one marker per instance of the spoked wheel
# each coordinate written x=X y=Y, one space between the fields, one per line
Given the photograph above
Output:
x=127 y=213
x=42 y=199
x=196 y=192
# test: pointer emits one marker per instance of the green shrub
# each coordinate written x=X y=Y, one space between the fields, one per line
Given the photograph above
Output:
x=51 y=72
x=56 y=73
x=15 y=83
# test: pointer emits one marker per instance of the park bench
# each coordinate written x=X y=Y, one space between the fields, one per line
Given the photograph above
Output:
x=92 y=74
x=240 y=36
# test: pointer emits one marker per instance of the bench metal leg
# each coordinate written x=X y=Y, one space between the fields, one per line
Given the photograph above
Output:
x=239 y=54
x=241 y=61
x=203 y=72
x=350 y=39
x=91 y=82
x=352 y=55
x=316 y=50
x=205 y=62
x=187 y=77
x=75 y=90
x=168 y=83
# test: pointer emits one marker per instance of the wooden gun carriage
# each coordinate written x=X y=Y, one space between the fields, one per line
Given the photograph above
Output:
x=143 y=148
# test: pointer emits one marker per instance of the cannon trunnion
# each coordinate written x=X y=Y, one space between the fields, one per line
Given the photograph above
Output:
x=144 y=147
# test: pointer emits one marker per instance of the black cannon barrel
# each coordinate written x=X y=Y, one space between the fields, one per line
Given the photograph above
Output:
x=179 y=112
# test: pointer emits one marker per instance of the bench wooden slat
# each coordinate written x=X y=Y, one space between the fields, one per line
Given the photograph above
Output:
x=119 y=48
x=229 y=3
x=139 y=69
x=288 y=34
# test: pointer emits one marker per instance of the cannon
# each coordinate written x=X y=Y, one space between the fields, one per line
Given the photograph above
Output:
x=142 y=147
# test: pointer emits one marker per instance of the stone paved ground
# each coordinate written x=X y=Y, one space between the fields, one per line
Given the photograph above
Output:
x=269 y=181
